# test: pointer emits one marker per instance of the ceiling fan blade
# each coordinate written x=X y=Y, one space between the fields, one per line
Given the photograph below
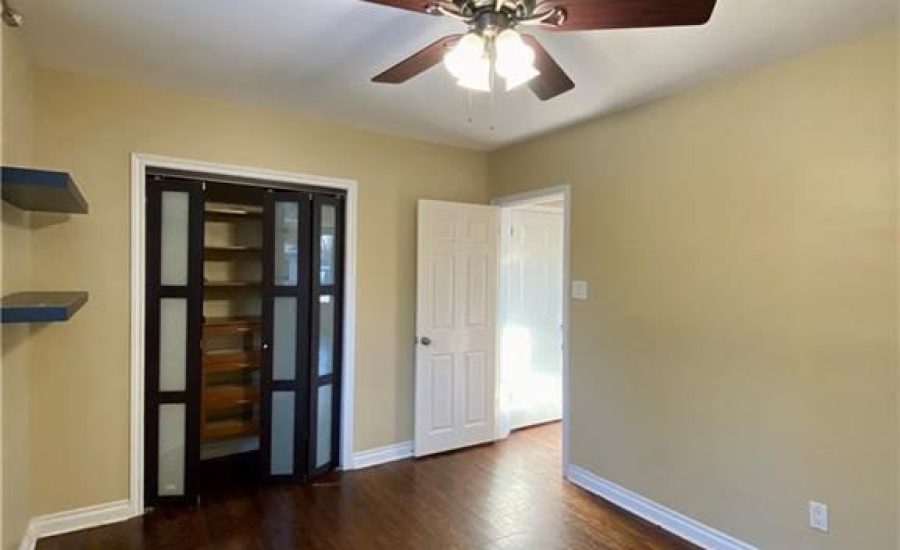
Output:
x=621 y=14
x=552 y=81
x=412 y=5
x=419 y=62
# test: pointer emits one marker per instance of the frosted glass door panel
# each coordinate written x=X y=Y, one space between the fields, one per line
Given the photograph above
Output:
x=282 y=456
x=323 y=426
x=172 y=344
x=284 y=330
x=286 y=243
x=326 y=334
x=171 y=449
x=326 y=245
x=174 y=238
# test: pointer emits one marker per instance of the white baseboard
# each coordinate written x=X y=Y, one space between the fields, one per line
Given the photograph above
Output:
x=29 y=540
x=75 y=520
x=381 y=455
x=670 y=520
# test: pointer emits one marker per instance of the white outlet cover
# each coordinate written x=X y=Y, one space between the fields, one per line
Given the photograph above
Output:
x=580 y=290
x=818 y=516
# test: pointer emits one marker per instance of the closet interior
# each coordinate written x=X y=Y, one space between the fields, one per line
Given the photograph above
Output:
x=231 y=339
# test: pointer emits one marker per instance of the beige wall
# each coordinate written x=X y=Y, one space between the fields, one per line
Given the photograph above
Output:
x=738 y=354
x=80 y=369
x=17 y=149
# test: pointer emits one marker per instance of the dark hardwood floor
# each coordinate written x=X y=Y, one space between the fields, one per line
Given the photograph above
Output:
x=509 y=495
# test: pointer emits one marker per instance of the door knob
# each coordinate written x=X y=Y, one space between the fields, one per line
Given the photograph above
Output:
x=425 y=341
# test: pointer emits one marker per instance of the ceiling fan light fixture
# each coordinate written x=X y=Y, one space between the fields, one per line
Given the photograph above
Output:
x=513 y=81
x=466 y=58
x=478 y=76
x=520 y=58
x=514 y=59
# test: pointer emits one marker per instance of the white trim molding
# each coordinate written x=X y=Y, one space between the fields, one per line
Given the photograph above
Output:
x=139 y=164
x=670 y=520
x=74 y=520
x=383 y=455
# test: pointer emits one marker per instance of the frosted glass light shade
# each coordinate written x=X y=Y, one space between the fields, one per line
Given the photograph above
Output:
x=479 y=77
x=516 y=79
x=467 y=51
x=515 y=59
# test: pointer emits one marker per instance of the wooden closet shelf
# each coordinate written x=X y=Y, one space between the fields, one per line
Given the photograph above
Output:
x=230 y=326
x=231 y=362
x=236 y=320
x=226 y=213
x=228 y=396
x=228 y=429
x=232 y=249
x=231 y=284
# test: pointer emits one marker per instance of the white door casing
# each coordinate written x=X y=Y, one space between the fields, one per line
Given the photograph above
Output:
x=455 y=325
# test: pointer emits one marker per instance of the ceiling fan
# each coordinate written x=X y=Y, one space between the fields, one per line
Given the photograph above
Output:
x=493 y=44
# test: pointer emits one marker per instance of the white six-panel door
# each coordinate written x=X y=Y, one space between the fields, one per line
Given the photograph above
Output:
x=455 y=325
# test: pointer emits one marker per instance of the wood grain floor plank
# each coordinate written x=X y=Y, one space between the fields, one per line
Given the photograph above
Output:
x=504 y=496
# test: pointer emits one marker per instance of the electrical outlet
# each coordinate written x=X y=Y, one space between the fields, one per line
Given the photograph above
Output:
x=818 y=516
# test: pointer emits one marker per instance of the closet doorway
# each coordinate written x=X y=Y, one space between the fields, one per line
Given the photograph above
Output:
x=244 y=296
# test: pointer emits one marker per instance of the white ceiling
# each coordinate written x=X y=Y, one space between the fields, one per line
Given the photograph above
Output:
x=317 y=56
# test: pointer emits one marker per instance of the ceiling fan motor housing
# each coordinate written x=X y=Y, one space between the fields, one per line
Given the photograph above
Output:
x=495 y=15
x=474 y=6
x=490 y=23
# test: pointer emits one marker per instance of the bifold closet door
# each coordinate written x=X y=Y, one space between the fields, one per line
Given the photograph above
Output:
x=327 y=308
x=174 y=314
x=287 y=272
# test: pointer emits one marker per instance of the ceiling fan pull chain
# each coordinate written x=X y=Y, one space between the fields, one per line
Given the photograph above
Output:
x=493 y=94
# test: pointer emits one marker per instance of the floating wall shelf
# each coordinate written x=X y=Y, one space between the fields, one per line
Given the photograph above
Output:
x=42 y=190
x=41 y=307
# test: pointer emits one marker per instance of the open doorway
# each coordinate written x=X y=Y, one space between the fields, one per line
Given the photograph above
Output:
x=532 y=310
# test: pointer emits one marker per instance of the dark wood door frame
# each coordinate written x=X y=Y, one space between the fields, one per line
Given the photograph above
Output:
x=193 y=293
x=336 y=290
x=301 y=292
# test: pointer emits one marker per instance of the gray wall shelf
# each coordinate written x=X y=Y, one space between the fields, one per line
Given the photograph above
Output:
x=41 y=190
x=41 y=307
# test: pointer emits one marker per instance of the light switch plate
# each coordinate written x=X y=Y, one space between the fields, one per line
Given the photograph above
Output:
x=580 y=290
x=818 y=516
